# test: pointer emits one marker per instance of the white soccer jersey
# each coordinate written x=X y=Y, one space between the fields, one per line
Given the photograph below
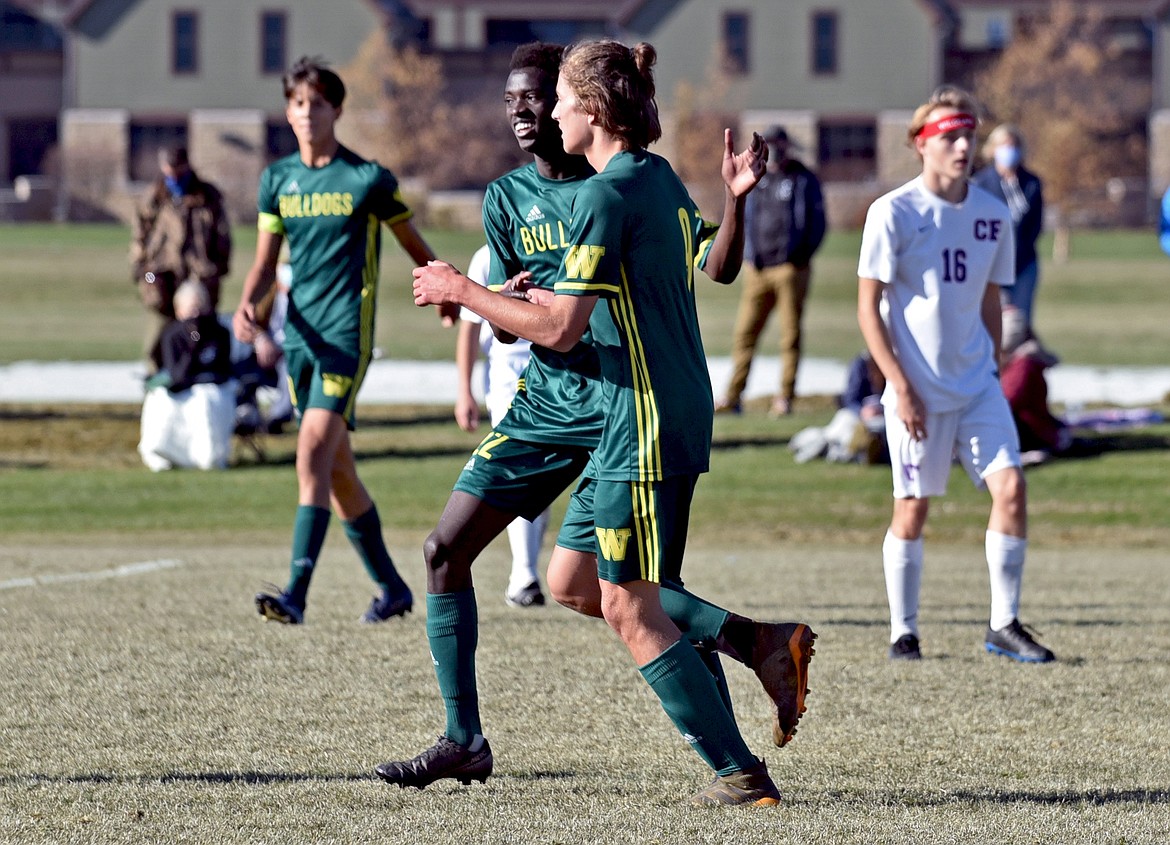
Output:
x=505 y=361
x=935 y=259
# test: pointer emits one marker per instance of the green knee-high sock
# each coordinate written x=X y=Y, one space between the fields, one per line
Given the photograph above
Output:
x=365 y=535
x=710 y=659
x=309 y=529
x=453 y=633
x=698 y=619
x=689 y=697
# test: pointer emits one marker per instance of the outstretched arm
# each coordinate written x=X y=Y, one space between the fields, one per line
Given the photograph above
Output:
x=256 y=284
x=556 y=325
x=466 y=353
x=741 y=173
x=420 y=252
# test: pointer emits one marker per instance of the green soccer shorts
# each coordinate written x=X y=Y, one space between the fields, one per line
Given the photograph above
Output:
x=519 y=476
x=330 y=381
x=639 y=528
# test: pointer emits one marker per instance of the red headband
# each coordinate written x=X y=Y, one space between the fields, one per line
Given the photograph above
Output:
x=950 y=123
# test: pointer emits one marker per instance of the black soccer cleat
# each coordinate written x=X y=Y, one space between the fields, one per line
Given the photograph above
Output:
x=277 y=606
x=905 y=648
x=445 y=759
x=1016 y=641
x=387 y=606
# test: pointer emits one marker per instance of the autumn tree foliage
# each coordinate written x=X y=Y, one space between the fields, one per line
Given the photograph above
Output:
x=1066 y=82
x=401 y=116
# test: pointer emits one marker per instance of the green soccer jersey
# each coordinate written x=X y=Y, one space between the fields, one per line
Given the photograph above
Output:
x=635 y=240
x=331 y=217
x=526 y=220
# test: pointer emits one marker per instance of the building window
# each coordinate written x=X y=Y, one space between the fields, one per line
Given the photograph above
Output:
x=506 y=33
x=147 y=139
x=185 y=42
x=273 y=42
x=847 y=150
x=824 y=43
x=736 y=55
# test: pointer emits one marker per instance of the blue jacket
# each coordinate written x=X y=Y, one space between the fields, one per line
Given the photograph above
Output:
x=1028 y=228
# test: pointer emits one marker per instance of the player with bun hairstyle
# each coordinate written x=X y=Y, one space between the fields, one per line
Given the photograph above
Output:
x=934 y=254
x=627 y=276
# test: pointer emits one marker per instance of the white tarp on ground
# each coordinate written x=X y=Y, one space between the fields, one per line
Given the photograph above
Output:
x=396 y=382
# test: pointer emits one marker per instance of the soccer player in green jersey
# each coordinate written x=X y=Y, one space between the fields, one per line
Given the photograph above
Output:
x=656 y=394
x=329 y=203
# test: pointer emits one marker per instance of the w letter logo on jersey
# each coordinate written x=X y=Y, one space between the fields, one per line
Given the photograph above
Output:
x=334 y=385
x=612 y=542
x=581 y=261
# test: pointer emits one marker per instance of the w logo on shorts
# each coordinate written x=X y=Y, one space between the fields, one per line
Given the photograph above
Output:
x=334 y=385
x=612 y=542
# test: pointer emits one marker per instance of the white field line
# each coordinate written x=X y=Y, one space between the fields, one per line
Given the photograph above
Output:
x=123 y=571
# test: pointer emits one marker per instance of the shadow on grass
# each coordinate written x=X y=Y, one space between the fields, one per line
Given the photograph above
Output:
x=250 y=778
x=1058 y=798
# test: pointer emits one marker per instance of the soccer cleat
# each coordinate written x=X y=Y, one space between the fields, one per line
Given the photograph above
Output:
x=751 y=787
x=387 y=606
x=905 y=648
x=529 y=596
x=726 y=406
x=1016 y=641
x=445 y=759
x=780 y=656
x=279 y=607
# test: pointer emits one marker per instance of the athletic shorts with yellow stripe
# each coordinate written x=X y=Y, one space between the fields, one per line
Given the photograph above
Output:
x=330 y=381
x=637 y=528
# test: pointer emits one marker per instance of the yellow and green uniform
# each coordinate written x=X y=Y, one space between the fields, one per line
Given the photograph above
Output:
x=331 y=217
x=542 y=444
x=636 y=241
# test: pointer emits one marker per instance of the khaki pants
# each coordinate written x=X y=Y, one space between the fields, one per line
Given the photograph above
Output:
x=785 y=285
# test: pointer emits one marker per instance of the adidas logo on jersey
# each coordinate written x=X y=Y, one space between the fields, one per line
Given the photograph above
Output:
x=293 y=187
x=534 y=215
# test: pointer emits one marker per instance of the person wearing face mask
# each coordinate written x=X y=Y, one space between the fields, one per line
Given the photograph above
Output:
x=1006 y=177
x=180 y=231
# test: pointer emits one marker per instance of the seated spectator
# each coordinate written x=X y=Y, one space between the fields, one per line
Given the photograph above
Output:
x=857 y=432
x=188 y=414
x=1022 y=365
x=265 y=403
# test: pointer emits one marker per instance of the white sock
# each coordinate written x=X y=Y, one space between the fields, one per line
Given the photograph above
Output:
x=1005 y=565
x=902 y=560
x=525 y=539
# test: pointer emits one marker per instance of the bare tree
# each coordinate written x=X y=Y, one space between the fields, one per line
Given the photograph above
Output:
x=406 y=121
x=1081 y=110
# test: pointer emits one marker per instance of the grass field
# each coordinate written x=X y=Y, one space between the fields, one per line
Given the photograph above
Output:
x=143 y=701
x=66 y=295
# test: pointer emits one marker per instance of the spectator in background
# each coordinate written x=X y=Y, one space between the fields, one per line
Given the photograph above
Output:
x=785 y=224
x=190 y=408
x=1006 y=177
x=1022 y=365
x=505 y=365
x=180 y=231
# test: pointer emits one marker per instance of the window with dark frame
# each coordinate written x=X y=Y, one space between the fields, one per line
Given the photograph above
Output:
x=847 y=150
x=185 y=42
x=824 y=43
x=273 y=42
x=736 y=52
